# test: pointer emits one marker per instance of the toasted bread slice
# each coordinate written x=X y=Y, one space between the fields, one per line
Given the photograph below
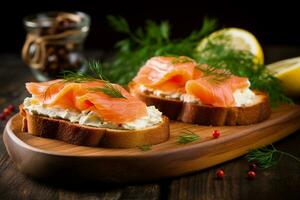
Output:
x=91 y=136
x=206 y=114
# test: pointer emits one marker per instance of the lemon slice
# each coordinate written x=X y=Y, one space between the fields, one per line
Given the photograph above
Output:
x=288 y=71
x=240 y=39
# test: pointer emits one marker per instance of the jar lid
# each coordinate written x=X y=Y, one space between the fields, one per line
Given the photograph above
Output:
x=48 y=19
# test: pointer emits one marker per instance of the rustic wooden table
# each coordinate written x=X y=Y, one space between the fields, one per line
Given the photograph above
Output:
x=279 y=182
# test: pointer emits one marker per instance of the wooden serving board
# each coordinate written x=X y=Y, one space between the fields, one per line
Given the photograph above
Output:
x=47 y=158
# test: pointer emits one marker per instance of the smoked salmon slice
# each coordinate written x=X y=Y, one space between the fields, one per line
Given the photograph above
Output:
x=219 y=94
x=84 y=96
x=166 y=73
x=183 y=74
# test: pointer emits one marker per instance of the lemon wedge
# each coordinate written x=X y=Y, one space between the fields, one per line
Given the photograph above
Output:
x=240 y=39
x=288 y=71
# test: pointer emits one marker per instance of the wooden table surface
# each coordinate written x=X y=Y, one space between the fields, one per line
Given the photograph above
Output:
x=279 y=182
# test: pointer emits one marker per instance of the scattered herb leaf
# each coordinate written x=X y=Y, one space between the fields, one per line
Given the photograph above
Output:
x=213 y=74
x=94 y=73
x=109 y=90
x=187 y=137
x=145 y=147
x=266 y=157
x=153 y=39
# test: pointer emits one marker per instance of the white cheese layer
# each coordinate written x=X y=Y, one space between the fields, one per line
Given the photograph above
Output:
x=242 y=97
x=90 y=118
x=160 y=93
x=188 y=98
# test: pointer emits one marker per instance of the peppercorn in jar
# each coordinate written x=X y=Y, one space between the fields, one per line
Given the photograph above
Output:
x=54 y=43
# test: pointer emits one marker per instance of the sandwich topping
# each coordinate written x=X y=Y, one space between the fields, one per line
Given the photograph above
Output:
x=166 y=73
x=189 y=82
x=90 y=103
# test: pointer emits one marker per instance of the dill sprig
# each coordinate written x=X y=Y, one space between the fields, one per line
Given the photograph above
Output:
x=145 y=147
x=219 y=54
x=94 y=73
x=213 y=74
x=187 y=136
x=96 y=67
x=109 y=90
x=77 y=77
x=266 y=157
x=155 y=39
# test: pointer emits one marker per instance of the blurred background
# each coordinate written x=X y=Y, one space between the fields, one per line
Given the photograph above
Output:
x=274 y=23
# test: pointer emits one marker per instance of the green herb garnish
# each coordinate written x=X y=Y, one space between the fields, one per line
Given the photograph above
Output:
x=145 y=147
x=154 y=39
x=77 y=77
x=219 y=54
x=94 y=74
x=266 y=157
x=109 y=90
x=187 y=137
x=213 y=74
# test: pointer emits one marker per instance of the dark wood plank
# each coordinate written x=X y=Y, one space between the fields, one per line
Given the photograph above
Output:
x=278 y=182
x=14 y=185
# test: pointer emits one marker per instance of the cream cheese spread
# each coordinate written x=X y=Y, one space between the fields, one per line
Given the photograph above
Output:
x=90 y=118
x=242 y=97
x=160 y=93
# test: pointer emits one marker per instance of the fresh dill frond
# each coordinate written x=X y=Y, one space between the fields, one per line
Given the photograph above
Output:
x=96 y=68
x=94 y=73
x=118 y=23
x=154 y=39
x=77 y=77
x=109 y=90
x=219 y=54
x=266 y=157
x=213 y=74
x=187 y=136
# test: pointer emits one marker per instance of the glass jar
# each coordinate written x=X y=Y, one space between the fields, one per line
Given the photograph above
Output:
x=54 y=43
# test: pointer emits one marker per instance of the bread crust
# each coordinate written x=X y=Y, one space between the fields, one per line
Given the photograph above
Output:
x=208 y=115
x=91 y=136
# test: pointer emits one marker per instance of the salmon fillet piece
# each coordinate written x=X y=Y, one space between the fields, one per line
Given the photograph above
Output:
x=216 y=94
x=166 y=73
x=80 y=96
x=183 y=74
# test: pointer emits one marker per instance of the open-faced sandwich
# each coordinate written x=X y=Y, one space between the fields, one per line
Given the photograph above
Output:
x=184 y=90
x=91 y=113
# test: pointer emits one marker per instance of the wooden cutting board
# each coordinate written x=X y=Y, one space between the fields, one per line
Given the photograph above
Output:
x=47 y=158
